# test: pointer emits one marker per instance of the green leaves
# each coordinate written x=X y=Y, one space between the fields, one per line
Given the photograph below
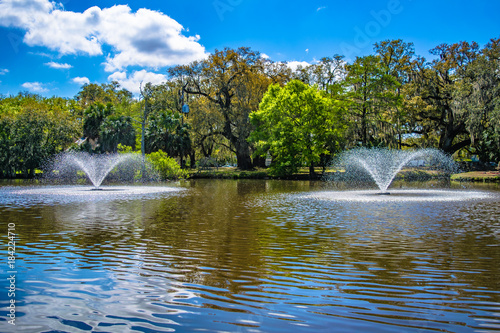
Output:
x=32 y=129
x=297 y=124
x=104 y=129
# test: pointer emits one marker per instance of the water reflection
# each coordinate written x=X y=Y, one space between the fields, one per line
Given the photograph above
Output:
x=257 y=255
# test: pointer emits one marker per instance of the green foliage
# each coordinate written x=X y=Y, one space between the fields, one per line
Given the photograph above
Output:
x=297 y=124
x=391 y=98
x=168 y=133
x=104 y=129
x=166 y=165
x=371 y=93
x=94 y=115
x=105 y=93
x=32 y=129
x=116 y=130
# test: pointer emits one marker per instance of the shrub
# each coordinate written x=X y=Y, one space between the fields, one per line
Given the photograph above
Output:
x=166 y=165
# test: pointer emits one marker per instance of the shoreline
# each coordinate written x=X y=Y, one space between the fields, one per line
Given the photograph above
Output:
x=408 y=175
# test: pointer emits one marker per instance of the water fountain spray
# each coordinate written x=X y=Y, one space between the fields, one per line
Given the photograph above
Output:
x=383 y=164
x=95 y=166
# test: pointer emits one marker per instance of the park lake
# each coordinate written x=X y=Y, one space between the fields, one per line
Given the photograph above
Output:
x=255 y=255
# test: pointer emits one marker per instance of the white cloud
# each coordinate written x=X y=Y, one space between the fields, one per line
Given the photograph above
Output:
x=293 y=65
x=133 y=82
x=145 y=38
x=320 y=8
x=3 y=71
x=81 y=80
x=57 y=65
x=264 y=56
x=34 y=86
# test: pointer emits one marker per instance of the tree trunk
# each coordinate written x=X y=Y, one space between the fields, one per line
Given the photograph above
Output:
x=312 y=172
x=364 y=128
x=259 y=162
x=243 y=157
x=192 y=159
x=451 y=131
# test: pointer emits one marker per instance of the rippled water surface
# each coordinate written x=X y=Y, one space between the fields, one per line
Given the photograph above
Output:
x=252 y=256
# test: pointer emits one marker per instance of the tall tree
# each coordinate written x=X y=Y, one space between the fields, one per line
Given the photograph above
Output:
x=329 y=71
x=33 y=128
x=167 y=132
x=478 y=94
x=228 y=80
x=371 y=91
x=432 y=88
x=397 y=59
x=297 y=124
x=104 y=130
x=105 y=93
x=115 y=130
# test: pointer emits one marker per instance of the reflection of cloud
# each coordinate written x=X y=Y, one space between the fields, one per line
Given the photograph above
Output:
x=34 y=86
x=145 y=38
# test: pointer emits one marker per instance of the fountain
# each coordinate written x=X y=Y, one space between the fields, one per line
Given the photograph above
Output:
x=384 y=164
x=96 y=166
x=63 y=176
x=381 y=166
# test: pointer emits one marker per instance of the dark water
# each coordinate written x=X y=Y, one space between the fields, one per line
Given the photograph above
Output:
x=252 y=256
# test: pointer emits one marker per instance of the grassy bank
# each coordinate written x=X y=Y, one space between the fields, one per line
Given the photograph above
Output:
x=303 y=174
x=477 y=176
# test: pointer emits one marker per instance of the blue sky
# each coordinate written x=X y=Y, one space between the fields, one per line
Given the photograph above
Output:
x=52 y=48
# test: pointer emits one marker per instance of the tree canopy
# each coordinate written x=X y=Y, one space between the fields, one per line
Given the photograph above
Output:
x=244 y=107
x=297 y=124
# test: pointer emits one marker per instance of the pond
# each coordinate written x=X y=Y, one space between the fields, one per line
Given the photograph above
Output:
x=251 y=256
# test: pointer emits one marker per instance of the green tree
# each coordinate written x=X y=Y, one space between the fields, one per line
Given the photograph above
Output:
x=478 y=94
x=233 y=81
x=371 y=92
x=32 y=129
x=105 y=93
x=105 y=130
x=297 y=125
x=397 y=59
x=94 y=116
x=115 y=130
x=168 y=133
x=432 y=100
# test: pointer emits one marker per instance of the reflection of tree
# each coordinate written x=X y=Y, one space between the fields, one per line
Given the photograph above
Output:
x=238 y=241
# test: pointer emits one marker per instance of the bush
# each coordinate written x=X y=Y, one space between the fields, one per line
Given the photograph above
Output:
x=166 y=165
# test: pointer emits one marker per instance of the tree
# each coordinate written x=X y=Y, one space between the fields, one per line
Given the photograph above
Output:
x=94 y=116
x=32 y=129
x=329 y=71
x=162 y=123
x=478 y=93
x=296 y=124
x=105 y=130
x=234 y=82
x=397 y=59
x=115 y=130
x=92 y=93
x=168 y=133
x=371 y=92
x=432 y=90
